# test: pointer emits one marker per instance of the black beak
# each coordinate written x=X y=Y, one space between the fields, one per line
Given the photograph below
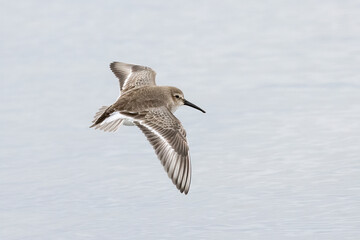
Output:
x=192 y=105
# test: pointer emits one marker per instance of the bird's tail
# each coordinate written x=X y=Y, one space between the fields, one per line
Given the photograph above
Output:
x=99 y=116
x=103 y=122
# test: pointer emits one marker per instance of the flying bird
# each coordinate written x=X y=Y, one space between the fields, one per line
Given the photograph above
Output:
x=150 y=107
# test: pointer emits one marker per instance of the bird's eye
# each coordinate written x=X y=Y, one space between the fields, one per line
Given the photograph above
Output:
x=177 y=96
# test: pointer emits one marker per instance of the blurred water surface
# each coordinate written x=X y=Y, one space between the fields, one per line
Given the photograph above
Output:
x=276 y=156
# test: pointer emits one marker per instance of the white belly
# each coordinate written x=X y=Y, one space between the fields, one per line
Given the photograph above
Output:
x=115 y=116
x=128 y=122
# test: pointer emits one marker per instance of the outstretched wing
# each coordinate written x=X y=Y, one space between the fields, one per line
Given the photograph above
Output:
x=132 y=76
x=167 y=136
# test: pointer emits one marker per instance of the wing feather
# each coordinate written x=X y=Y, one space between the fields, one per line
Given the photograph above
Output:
x=168 y=138
x=131 y=76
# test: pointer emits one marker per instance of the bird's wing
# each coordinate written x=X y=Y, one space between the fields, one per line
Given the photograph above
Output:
x=132 y=76
x=168 y=138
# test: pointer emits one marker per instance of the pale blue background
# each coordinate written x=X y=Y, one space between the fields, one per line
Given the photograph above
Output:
x=276 y=156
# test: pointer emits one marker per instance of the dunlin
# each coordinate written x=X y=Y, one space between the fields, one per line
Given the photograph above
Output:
x=151 y=108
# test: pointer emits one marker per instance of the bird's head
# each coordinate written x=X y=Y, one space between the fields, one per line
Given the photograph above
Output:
x=178 y=98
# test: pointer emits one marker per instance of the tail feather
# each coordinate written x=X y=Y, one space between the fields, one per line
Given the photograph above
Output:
x=107 y=126
x=99 y=113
